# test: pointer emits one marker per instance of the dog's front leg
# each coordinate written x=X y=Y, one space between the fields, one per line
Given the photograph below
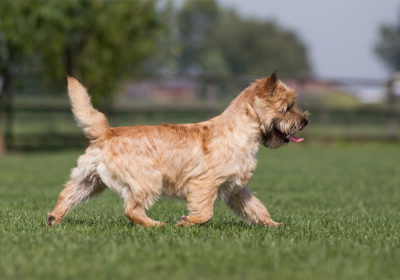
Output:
x=245 y=205
x=201 y=205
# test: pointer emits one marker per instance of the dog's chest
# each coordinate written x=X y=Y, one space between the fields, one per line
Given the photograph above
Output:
x=239 y=178
x=244 y=163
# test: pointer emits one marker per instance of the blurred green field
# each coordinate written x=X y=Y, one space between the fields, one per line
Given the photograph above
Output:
x=339 y=205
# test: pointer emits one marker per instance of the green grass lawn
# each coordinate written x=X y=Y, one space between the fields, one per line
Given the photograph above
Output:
x=339 y=205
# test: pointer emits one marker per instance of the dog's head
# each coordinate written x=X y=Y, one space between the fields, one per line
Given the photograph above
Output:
x=274 y=103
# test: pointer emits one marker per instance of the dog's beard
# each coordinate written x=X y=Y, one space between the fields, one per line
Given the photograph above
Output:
x=275 y=137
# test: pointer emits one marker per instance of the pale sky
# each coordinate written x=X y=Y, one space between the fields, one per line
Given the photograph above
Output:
x=340 y=34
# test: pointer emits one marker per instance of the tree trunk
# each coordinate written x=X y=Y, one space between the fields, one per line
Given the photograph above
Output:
x=2 y=144
x=6 y=114
x=68 y=61
x=391 y=106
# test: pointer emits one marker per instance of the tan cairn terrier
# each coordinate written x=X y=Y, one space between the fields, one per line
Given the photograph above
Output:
x=199 y=162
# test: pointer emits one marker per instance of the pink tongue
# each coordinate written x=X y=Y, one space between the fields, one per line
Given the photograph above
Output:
x=295 y=139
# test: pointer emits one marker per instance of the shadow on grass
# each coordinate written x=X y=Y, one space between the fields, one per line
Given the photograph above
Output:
x=122 y=222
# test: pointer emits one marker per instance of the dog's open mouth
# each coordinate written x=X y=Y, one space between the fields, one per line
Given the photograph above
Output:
x=266 y=137
x=295 y=139
x=289 y=137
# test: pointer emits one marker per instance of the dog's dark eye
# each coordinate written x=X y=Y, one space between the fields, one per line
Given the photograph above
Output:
x=289 y=108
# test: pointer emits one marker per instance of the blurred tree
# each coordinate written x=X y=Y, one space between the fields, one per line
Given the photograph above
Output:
x=164 y=58
x=16 y=43
x=196 y=20
x=388 y=47
x=98 y=41
x=257 y=47
x=218 y=41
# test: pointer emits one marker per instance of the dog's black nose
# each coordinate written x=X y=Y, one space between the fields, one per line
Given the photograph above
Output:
x=305 y=122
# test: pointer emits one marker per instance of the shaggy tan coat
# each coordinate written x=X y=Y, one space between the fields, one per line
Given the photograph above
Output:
x=199 y=162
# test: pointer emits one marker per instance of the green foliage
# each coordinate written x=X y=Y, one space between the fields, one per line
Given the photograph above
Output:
x=388 y=47
x=195 y=21
x=16 y=29
x=339 y=209
x=102 y=41
x=218 y=41
x=98 y=41
x=257 y=47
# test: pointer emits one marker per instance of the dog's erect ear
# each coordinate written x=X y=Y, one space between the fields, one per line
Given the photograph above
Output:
x=271 y=82
x=274 y=76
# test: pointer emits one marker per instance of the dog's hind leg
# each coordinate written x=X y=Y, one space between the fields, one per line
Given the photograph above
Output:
x=72 y=195
x=83 y=185
x=246 y=206
x=143 y=191
x=135 y=211
x=139 y=186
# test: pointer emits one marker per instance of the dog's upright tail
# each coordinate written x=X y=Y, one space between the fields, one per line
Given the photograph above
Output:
x=93 y=123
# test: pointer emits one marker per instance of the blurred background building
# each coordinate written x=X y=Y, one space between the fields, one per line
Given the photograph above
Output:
x=184 y=61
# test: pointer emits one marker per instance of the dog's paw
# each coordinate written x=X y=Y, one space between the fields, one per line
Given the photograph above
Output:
x=272 y=223
x=158 y=224
x=51 y=220
x=183 y=221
